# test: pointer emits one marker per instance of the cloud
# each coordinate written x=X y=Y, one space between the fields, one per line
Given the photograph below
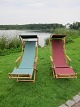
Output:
x=39 y=11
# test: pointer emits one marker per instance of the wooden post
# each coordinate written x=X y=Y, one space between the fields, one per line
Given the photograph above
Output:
x=37 y=49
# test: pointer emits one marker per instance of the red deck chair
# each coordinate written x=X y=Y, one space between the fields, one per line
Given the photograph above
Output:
x=58 y=58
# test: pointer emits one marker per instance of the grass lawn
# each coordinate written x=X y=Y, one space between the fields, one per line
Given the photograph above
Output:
x=46 y=91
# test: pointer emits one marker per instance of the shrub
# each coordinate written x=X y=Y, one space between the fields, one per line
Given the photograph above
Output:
x=46 y=41
x=14 y=43
x=9 y=45
x=71 y=34
x=3 y=42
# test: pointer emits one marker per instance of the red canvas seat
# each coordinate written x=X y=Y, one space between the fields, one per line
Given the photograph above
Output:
x=58 y=59
x=58 y=54
x=64 y=72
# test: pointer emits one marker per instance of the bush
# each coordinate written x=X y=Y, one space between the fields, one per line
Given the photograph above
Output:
x=14 y=43
x=3 y=42
x=70 y=34
x=10 y=45
x=46 y=41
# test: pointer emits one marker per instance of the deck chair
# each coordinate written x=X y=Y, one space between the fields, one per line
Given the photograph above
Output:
x=26 y=71
x=58 y=58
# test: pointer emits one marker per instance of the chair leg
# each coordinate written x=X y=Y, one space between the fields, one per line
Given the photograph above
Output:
x=34 y=76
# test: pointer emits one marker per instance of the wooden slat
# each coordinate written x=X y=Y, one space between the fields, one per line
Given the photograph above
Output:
x=68 y=58
x=51 y=58
x=66 y=76
x=19 y=58
x=26 y=80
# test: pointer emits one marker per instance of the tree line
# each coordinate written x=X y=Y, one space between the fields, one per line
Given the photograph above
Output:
x=75 y=25
x=32 y=26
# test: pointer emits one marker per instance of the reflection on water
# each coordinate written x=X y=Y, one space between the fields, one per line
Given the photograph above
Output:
x=15 y=33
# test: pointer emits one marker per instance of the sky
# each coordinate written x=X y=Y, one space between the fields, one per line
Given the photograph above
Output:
x=39 y=11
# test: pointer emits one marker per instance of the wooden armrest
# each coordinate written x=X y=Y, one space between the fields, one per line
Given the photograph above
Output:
x=68 y=58
x=18 y=59
x=51 y=58
x=35 y=63
x=36 y=59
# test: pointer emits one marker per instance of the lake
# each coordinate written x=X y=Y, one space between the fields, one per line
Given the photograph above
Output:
x=15 y=33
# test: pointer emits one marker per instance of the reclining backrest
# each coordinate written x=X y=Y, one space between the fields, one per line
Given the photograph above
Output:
x=58 y=53
x=28 y=55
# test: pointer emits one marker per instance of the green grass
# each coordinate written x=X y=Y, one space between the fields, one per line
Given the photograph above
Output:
x=46 y=91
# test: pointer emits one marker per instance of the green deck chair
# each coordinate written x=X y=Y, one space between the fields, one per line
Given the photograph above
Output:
x=27 y=68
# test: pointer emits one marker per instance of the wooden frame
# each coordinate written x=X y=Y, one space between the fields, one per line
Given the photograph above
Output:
x=27 y=77
x=23 y=77
x=66 y=57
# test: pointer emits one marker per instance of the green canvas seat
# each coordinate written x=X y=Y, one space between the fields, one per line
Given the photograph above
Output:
x=29 y=55
x=23 y=71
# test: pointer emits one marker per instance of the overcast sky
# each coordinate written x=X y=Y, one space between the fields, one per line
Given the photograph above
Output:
x=39 y=11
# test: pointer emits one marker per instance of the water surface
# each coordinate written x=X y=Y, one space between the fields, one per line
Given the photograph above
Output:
x=15 y=33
